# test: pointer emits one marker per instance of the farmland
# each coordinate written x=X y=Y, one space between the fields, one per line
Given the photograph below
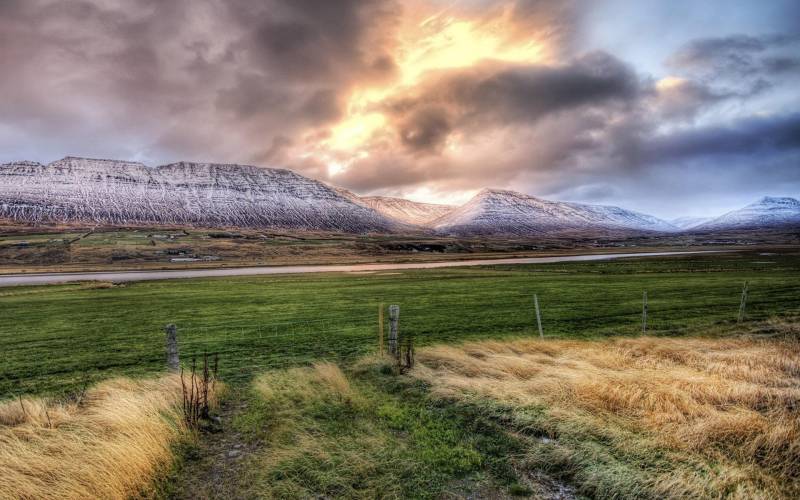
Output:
x=61 y=337
x=88 y=248
x=702 y=406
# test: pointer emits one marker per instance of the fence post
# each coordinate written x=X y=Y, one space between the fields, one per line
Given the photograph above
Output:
x=743 y=303
x=394 y=319
x=380 y=328
x=173 y=363
x=644 y=313
x=538 y=315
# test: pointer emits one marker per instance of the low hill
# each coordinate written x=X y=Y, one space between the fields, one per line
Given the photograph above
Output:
x=410 y=212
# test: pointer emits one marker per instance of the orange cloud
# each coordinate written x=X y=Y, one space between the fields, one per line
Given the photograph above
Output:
x=427 y=42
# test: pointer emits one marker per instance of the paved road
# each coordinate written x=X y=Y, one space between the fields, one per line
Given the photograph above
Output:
x=119 y=276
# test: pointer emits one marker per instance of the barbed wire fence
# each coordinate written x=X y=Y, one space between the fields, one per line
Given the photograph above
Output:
x=247 y=345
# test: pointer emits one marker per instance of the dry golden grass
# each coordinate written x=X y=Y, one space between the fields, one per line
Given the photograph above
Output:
x=727 y=411
x=320 y=380
x=296 y=400
x=111 y=445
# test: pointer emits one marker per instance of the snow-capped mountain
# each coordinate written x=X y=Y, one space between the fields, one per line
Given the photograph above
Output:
x=500 y=212
x=689 y=222
x=768 y=212
x=108 y=192
x=201 y=194
x=410 y=212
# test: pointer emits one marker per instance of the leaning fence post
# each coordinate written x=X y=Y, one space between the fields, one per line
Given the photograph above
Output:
x=173 y=363
x=644 y=313
x=394 y=319
x=538 y=315
x=380 y=327
x=743 y=303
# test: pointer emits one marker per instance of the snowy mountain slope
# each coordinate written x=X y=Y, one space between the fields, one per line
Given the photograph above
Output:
x=768 y=212
x=410 y=212
x=203 y=194
x=689 y=222
x=403 y=211
x=112 y=192
x=496 y=212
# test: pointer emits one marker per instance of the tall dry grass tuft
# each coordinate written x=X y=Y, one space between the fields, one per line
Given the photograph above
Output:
x=730 y=405
x=110 y=444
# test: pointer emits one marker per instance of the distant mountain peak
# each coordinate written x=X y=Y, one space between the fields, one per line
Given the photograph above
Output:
x=488 y=192
x=502 y=211
x=767 y=212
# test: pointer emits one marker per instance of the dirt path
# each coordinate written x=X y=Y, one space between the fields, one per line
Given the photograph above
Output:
x=215 y=468
x=218 y=466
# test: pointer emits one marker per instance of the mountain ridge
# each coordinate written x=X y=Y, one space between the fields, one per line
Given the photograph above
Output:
x=76 y=189
x=504 y=212
x=115 y=192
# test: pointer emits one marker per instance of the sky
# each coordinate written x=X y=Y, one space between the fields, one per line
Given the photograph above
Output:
x=674 y=107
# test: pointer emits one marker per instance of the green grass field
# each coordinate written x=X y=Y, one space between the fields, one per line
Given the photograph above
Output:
x=56 y=338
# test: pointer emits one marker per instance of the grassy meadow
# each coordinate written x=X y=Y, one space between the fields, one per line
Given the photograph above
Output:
x=640 y=418
x=702 y=407
x=622 y=418
x=61 y=337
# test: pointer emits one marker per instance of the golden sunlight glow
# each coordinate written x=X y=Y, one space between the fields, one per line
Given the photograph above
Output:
x=446 y=43
x=670 y=82
x=354 y=130
x=432 y=42
x=425 y=194
x=335 y=168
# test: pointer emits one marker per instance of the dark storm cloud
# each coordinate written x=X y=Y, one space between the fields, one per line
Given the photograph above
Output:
x=194 y=79
x=426 y=128
x=317 y=39
x=740 y=55
x=558 y=128
x=757 y=137
x=684 y=99
x=264 y=81
x=579 y=131
x=313 y=51
x=496 y=94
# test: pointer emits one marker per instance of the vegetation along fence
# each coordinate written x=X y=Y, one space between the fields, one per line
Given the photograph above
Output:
x=57 y=359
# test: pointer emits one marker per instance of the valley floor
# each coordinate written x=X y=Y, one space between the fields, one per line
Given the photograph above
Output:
x=75 y=249
x=623 y=418
x=701 y=417
x=56 y=338
x=702 y=406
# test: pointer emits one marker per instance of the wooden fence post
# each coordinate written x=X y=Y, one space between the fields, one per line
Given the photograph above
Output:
x=538 y=316
x=743 y=303
x=380 y=327
x=644 y=313
x=173 y=363
x=394 y=319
